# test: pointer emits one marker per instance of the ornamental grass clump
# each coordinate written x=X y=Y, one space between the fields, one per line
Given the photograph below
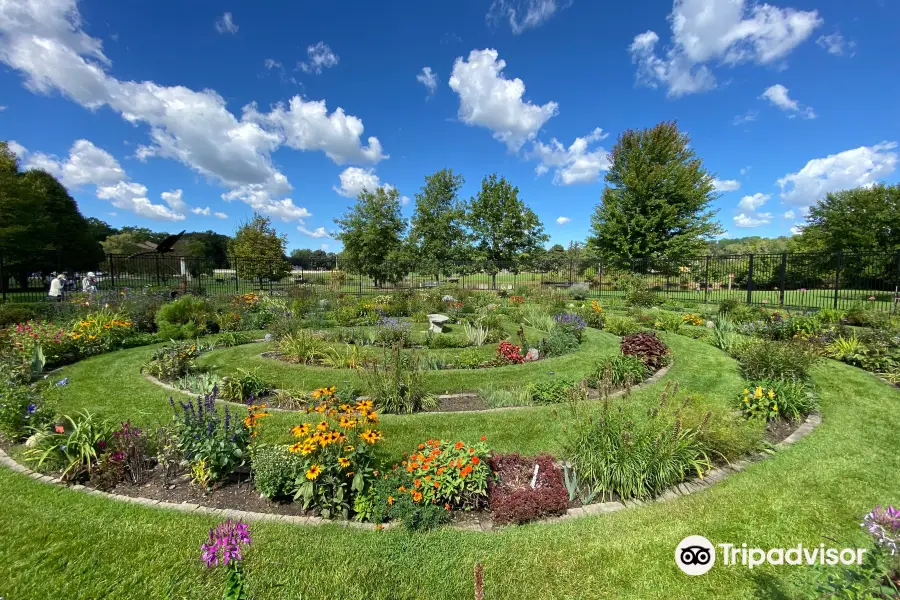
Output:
x=225 y=547
x=396 y=384
x=767 y=359
x=336 y=448
x=627 y=453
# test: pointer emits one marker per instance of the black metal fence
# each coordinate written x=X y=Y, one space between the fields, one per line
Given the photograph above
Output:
x=791 y=279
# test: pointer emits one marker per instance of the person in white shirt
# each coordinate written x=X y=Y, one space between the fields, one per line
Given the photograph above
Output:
x=56 y=288
x=87 y=283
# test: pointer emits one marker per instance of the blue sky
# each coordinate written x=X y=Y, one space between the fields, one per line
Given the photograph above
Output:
x=192 y=115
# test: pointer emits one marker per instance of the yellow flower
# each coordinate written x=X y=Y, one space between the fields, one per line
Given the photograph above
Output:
x=300 y=430
x=344 y=462
x=322 y=426
x=370 y=436
x=308 y=448
x=746 y=391
x=348 y=448
x=771 y=393
x=759 y=392
x=294 y=448
x=313 y=472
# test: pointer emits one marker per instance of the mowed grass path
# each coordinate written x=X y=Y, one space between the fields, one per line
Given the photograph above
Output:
x=59 y=543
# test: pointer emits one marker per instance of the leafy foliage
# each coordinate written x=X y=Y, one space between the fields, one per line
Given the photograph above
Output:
x=766 y=359
x=261 y=248
x=437 y=233
x=511 y=497
x=396 y=386
x=648 y=348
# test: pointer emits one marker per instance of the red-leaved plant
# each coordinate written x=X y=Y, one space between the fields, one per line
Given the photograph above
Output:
x=510 y=353
x=510 y=495
x=647 y=347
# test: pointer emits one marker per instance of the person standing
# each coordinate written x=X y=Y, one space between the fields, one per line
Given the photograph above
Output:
x=56 y=288
x=88 y=284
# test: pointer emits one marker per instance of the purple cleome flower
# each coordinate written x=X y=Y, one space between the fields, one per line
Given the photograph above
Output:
x=224 y=544
x=883 y=524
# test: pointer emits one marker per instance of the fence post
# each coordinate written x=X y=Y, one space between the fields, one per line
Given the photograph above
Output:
x=112 y=269
x=750 y=280
x=783 y=281
x=3 y=282
x=837 y=276
x=706 y=282
x=896 y=284
x=237 y=282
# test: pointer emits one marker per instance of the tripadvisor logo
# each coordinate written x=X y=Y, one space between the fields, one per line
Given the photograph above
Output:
x=696 y=555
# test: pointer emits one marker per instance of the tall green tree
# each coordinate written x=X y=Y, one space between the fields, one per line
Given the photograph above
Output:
x=506 y=232
x=657 y=199
x=41 y=228
x=373 y=236
x=862 y=219
x=437 y=234
x=258 y=250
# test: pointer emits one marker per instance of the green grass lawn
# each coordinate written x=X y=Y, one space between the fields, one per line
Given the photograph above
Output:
x=59 y=543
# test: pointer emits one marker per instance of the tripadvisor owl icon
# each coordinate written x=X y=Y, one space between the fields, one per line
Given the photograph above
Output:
x=695 y=555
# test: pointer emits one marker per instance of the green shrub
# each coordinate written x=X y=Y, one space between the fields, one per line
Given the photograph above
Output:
x=242 y=387
x=728 y=305
x=578 y=291
x=724 y=335
x=862 y=316
x=770 y=399
x=386 y=503
x=621 y=326
x=721 y=432
x=396 y=385
x=768 y=359
x=10 y=314
x=172 y=361
x=142 y=311
x=668 y=322
x=275 y=469
x=438 y=341
x=184 y=318
x=23 y=411
x=632 y=453
x=551 y=390
x=303 y=347
x=617 y=371
x=560 y=341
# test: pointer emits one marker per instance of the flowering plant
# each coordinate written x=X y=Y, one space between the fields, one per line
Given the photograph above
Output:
x=570 y=323
x=509 y=353
x=99 y=332
x=883 y=524
x=595 y=307
x=173 y=361
x=693 y=319
x=516 y=300
x=454 y=474
x=225 y=547
x=213 y=446
x=760 y=403
x=338 y=448
x=56 y=345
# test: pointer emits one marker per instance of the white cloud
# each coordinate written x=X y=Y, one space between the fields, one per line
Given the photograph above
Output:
x=747 y=117
x=404 y=200
x=2 y=108
x=836 y=44
x=522 y=14
x=790 y=214
x=743 y=220
x=306 y=125
x=226 y=24
x=87 y=164
x=319 y=57
x=260 y=200
x=175 y=201
x=863 y=166
x=754 y=202
x=563 y=220
x=220 y=215
x=354 y=180
x=204 y=212
x=574 y=164
x=726 y=32
x=429 y=79
x=779 y=97
x=488 y=99
x=318 y=233
x=324 y=246
x=133 y=197
x=271 y=63
x=745 y=170
x=45 y=42
x=18 y=149
x=726 y=185
x=796 y=230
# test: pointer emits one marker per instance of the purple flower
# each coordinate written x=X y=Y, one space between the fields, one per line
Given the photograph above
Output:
x=32 y=408
x=883 y=524
x=224 y=543
x=62 y=382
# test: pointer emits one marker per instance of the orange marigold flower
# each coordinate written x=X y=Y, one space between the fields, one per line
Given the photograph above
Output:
x=401 y=489
x=417 y=496
x=390 y=499
x=421 y=446
x=459 y=445
x=465 y=472
x=447 y=507
x=483 y=438
x=417 y=483
x=475 y=460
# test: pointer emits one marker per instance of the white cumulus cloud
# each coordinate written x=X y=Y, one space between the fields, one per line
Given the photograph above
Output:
x=563 y=220
x=488 y=99
x=575 y=164
x=319 y=232
x=753 y=220
x=726 y=185
x=836 y=44
x=754 y=202
x=132 y=196
x=354 y=180
x=175 y=201
x=726 y=32
x=863 y=166
x=778 y=96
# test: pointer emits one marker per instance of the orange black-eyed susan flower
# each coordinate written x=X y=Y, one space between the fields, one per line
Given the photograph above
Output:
x=313 y=472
